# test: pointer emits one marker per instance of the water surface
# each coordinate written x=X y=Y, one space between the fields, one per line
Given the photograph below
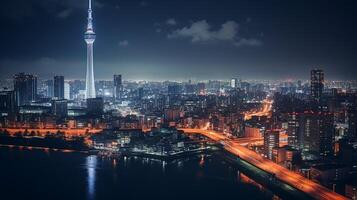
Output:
x=37 y=174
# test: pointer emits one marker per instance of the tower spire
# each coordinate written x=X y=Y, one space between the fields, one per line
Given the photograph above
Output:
x=90 y=17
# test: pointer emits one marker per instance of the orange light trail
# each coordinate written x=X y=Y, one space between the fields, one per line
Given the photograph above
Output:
x=296 y=180
x=265 y=110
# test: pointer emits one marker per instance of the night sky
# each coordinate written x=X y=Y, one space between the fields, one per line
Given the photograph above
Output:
x=181 y=39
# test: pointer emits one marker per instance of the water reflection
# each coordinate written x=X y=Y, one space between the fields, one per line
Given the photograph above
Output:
x=202 y=160
x=125 y=161
x=163 y=166
x=114 y=162
x=91 y=165
x=180 y=164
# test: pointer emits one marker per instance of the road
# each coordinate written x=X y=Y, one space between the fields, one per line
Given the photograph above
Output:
x=315 y=190
x=247 y=141
x=264 y=111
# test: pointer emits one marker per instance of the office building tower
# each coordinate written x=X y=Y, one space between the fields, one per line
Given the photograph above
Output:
x=317 y=84
x=234 y=83
x=49 y=88
x=201 y=88
x=67 y=91
x=352 y=122
x=95 y=106
x=7 y=103
x=25 y=87
x=293 y=130
x=271 y=141
x=318 y=129
x=118 y=87
x=58 y=87
x=140 y=93
x=59 y=108
x=190 y=89
x=171 y=114
x=174 y=89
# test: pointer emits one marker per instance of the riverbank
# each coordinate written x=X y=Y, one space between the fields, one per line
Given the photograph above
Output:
x=76 y=144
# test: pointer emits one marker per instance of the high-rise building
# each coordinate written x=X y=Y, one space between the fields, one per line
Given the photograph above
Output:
x=59 y=108
x=189 y=88
x=89 y=37
x=317 y=83
x=352 y=122
x=140 y=93
x=7 y=103
x=174 y=89
x=234 y=83
x=171 y=114
x=245 y=86
x=293 y=130
x=25 y=87
x=67 y=91
x=58 y=87
x=95 y=106
x=311 y=133
x=318 y=129
x=49 y=88
x=118 y=86
x=201 y=88
x=271 y=141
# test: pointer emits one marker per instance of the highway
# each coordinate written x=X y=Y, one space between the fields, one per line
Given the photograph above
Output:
x=237 y=148
x=258 y=141
x=264 y=111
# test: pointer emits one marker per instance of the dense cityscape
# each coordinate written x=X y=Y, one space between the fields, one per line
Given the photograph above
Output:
x=295 y=138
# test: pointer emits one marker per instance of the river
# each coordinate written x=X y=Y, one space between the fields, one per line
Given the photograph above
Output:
x=44 y=174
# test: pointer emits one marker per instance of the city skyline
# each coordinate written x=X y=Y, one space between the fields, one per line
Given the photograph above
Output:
x=204 y=99
x=153 y=40
x=287 y=138
x=296 y=136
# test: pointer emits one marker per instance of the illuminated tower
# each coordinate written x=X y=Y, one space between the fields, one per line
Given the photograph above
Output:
x=89 y=37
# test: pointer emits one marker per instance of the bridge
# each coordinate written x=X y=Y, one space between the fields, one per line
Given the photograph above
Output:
x=237 y=148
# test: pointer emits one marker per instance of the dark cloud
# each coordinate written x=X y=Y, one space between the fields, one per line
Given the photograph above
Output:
x=65 y=13
x=171 y=22
x=124 y=43
x=202 y=31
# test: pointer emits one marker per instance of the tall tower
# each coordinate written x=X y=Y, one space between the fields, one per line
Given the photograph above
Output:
x=118 y=86
x=234 y=83
x=89 y=37
x=58 y=87
x=25 y=87
x=317 y=83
